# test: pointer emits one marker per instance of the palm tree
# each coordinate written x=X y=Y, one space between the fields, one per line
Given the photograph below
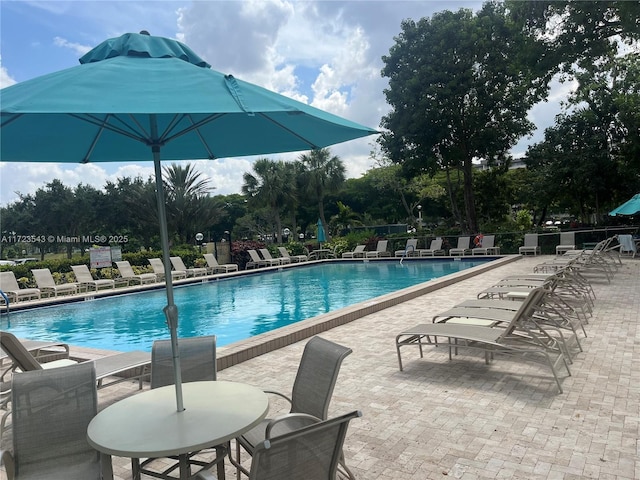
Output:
x=189 y=206
x=322 y=174
x=272 y=186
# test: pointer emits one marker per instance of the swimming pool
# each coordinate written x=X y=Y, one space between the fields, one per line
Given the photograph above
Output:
x=232 y=308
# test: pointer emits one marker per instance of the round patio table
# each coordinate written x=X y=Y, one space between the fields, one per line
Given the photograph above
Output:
x=147 y=425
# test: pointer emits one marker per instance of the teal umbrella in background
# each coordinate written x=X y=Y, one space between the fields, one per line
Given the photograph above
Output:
x=321 y=235
x=143 y=98
x=630 y=207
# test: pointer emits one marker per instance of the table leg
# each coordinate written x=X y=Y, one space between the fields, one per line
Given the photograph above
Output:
x=220 y=453
x=185 y=469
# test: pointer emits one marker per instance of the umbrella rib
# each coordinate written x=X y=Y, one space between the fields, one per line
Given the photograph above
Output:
x=312 y=145
x=194 y=126
x=103 y=124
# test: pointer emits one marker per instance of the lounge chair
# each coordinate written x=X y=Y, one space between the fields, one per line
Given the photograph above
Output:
x=48 y=286
x=487 y=247
x=197 y=363
x=179 y=266
x=380 y=251
x=311 y=395
x=25 y=356
x=9 y=285
x=127 y=273
x=530 y=245
x=86 y=280
x=520 y=336
x=357 y=252
x=284 y=253
x=158 y=269
x=51 y=412
x=567 y=242
x=257 y=261
x=410 y=249
x=435 y=248
x=312 y=452
x=462 y=248
x=214 y=267
x=266 y=254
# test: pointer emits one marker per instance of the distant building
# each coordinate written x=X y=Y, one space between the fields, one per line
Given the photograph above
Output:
x=515 y=163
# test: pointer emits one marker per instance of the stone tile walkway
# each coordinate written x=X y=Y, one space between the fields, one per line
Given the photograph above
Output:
x=467 y=420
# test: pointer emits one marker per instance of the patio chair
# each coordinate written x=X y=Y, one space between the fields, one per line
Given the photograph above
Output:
x=410 y=249
x=312 y=452
x=462 y=248
x=86 y=280
x=380 y=251
x=567 y=242
x=521 y=335
x=179 y=266
x=627 y=245
x=311 y=395
x=48 y=286
x=9 y=285
x=214 y=267
x=51 y=412
x=284 y=253
x=266 y=254
x=435 y=248
x=158 y=268
x=197 y=363
x=487 y=247
x=127 y=273
x=357 y=252
x=530 y=245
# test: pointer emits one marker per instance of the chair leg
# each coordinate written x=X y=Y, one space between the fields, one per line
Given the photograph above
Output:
x=343 y=469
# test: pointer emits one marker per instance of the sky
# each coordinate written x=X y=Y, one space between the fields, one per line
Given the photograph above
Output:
x=325 y=53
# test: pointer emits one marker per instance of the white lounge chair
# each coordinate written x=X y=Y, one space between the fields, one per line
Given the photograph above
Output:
x=380 y=251
x=284 y=253
x=410 y=249
x=127 y=273
x=48 y=286
x=462 y=248
x=567 y=242
x=9 y=285
x=487 y=247
x=158 y=269
x=530 y=245
x=179 y=266
x=435 y=248
x=266 y=254
x=214 y=267
x=86 y=280
x=257 y=261
x=357 y=252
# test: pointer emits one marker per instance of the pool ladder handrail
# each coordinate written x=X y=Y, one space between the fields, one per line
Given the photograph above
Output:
x=405 y=252
x=6 y=299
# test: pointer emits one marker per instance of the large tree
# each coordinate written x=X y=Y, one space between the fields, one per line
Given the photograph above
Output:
x=322 y=173
x=460 y=87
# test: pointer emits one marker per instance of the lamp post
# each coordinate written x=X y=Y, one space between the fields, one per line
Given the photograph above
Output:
x=420 y=216
x=199 y=238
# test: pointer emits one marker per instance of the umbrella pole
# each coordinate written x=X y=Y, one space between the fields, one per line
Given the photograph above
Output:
x=171 y=310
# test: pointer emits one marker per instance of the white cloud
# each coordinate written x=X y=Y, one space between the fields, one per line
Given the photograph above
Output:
x=75 y=47
x=5 y=78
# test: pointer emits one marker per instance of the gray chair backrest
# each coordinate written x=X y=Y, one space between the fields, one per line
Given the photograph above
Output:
x=309 y=453
x=8 y=281
x=567 y=238
x=197 y=360
x=316 y=377
x=51 y=412
x=530 y=239
x=43 y=277
x=18 y=354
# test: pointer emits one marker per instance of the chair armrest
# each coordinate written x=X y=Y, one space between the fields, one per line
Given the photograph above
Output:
x=281 y=395
x=6 y=459
x=303 y=419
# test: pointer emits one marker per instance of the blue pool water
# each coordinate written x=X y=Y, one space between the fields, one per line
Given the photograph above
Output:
x=233 y=309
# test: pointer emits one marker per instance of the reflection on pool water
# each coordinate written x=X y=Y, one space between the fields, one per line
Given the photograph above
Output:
x=233 y=309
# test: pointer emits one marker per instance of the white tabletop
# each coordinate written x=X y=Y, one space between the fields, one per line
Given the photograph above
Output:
x=148 y=425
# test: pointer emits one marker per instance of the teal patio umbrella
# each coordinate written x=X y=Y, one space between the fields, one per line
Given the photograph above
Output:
x=321 y=236
x=144 y=98
x=630 y=207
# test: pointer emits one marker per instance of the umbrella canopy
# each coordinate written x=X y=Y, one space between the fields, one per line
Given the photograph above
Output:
x=630 y=207
x=321 y=236
x=144 y=98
